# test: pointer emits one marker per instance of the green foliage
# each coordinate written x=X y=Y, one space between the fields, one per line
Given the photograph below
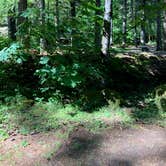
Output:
x=53 y=115
x=4 y=42
x=7 y=54
x=152 y=109
x=66 y=72
x=65 y=75
x=3 y=135
x=24 y=143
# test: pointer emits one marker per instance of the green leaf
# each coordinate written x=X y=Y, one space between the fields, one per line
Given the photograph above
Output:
x=44 y=60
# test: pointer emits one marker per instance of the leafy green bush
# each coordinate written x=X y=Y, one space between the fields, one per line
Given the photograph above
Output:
x=17 y=68
x=4 y=42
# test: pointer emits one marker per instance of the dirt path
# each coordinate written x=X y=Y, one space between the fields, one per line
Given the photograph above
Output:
x=141 y=146
x=138 y=146
x=151 y=49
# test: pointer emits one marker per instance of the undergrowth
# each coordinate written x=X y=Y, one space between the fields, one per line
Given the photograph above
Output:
x=25 y=117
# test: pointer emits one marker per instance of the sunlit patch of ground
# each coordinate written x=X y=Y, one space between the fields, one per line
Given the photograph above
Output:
x=3 y=30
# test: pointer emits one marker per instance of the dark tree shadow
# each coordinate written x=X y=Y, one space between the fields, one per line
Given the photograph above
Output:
x=119 y=162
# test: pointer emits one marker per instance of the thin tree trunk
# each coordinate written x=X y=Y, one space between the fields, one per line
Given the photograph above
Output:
x=143 y=30
x=42 y=6
x=136 y=39
x=24 y=38
x=164 y=29
x=57 y=19
x=133 y=19
x=159 y=41
x=12 y=24
x=73 y=15
x=111 y=26
x=73 y=8
x=124 y=24
x=97 y=26
x=106 y=28
x=22 y=6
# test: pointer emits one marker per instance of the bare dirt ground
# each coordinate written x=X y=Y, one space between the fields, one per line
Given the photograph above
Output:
x=30 y=150
x=138 y=146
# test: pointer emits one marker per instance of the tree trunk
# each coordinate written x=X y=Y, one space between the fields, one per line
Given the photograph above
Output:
x=136 y=38
x=111 y=26
x=159 y=41
x=106 y=28
x=97 y=26
x=73 y=15
x=133 y=17
x=164 y=29
x=143 y=31
x=24 y=38
x=73 y=8
x=57 y=19
x=22 y=6
x=12 y=24
x=124 y=24
x=42 y=6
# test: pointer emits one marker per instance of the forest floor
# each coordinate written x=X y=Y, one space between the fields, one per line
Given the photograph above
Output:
x=140 y=145
x=149 y=49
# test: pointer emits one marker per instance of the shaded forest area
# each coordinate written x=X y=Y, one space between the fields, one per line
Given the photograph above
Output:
x=65 y=49
x=65 y=59
x=72 y=69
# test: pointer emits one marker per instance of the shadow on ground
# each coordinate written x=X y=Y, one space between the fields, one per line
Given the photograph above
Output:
x=142 y=146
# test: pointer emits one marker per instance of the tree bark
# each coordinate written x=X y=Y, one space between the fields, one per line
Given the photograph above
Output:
x=136 y=38
x=12 y=24
x=42 y=6
x=124 y=24
x=24 y=38
x=143 y=30
x=106 y=28
x=73 y=8
x=111 y=26
x=22 y=6
x=73 y=15
x=164 y=29
x=159 y=38
x=57 y=19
